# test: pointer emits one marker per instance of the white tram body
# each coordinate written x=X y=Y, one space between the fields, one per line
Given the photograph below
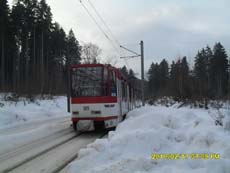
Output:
x=100 y=96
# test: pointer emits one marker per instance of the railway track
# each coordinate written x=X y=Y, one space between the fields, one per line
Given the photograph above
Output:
x=47 y=155
x=63 y=168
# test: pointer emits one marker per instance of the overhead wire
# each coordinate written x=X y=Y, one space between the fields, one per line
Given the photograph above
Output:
x=103 y=21
x=101 y=29
x=106 y=26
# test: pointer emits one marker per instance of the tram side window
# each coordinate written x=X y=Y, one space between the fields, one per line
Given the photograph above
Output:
x=113 y=83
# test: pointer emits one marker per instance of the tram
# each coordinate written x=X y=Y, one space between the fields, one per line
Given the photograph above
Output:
x=100 y=96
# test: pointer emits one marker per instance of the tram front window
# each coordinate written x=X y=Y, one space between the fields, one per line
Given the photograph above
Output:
x=88 y=81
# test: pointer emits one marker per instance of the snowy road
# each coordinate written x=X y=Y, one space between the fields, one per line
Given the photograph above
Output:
x=23 y=142
x=58 y=157
x=38 y=137
x=44 y=146
x=16 y=136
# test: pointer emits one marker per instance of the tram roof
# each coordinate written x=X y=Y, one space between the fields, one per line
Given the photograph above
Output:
x=116 y=70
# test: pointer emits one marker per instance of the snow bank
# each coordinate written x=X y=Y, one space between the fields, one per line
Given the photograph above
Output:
x=21 y=112
x=159 y=130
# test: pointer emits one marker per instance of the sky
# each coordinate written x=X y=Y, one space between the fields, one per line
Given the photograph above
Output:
x=169 y=28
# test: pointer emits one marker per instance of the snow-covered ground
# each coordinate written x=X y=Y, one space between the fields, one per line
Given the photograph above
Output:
x=24 y=122
x=160 y=130
x=146 y=131
x=23 y=112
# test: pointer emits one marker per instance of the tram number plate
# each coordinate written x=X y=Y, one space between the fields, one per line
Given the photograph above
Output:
x=86 y=108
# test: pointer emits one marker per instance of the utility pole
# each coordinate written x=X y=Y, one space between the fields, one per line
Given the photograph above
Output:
x=142 y=67
x=142 y=74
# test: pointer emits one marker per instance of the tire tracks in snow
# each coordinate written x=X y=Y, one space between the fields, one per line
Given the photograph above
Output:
x=24 y=153
x=56 y=158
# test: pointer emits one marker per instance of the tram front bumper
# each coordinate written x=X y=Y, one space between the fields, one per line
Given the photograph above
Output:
x=89 y=123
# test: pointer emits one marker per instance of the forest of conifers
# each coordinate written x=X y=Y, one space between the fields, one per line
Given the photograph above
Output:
x=35 y=51
x=207 y=78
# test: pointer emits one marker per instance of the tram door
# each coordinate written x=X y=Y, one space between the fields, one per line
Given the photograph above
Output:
x=119 y=96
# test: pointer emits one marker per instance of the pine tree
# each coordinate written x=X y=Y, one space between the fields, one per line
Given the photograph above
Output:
x=186 y=93
x=131 y=74
x=209 y=56
x=21 y=20
x=179 y=79
x=163 y=76
x=201 y=71
x=4 y=23
x=124 y=71
x=154 y=82
x=219 y=71
x=73 y=48
x=44 y=23
x=172 y=79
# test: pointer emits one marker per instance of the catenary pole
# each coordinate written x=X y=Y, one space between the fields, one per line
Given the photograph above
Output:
x=142 y=73
x=142 y=67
